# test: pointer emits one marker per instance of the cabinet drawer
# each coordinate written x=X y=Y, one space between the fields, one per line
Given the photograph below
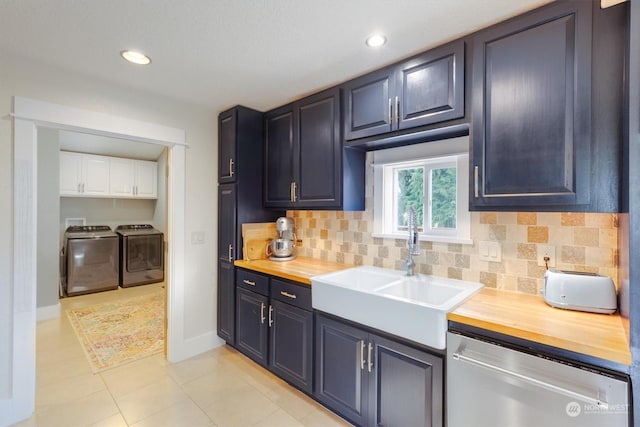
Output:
x=253 y=281
x=297 y=295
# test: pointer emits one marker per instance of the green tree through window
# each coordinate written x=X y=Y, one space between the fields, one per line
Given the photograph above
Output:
x=410 y=187
x=443 y=198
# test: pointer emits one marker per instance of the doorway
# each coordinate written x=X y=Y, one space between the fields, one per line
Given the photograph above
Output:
x=28 y=116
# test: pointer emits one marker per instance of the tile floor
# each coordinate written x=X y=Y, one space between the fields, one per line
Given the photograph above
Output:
x=218 y=388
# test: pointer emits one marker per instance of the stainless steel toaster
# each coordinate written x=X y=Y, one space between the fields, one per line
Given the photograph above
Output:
x=576 y=290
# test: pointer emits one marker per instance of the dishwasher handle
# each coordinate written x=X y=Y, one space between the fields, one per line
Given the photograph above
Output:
x=533 y=381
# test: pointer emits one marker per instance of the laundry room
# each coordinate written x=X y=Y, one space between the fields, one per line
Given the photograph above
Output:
x=102 y=210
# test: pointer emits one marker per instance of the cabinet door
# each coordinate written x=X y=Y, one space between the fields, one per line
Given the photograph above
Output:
x=430 y=87
x=70 y=174
x=279 y=141
x=406 y=388
x=121 y=177
x=95 y=175
x=531 y=123
x=291 y=344
x=226 y=302
x=341 y=375
x=317 y=155
x=251 y=325
x=227 y=150
x=146 y=179
x=368 y=104
x=227 y=198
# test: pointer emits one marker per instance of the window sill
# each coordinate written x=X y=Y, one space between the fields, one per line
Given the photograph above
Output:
x=427 y=238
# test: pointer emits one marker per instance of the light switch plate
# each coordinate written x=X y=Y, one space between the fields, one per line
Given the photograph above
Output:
x=490 y=251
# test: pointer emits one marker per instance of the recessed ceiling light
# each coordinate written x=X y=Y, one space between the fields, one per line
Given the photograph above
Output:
x=135 y=57
x=376 y=40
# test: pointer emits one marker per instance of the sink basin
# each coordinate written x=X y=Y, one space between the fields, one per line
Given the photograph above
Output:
x=363 y=278
x=414 y=308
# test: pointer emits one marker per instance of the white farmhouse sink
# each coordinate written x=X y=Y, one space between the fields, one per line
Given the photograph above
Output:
x=413 y=307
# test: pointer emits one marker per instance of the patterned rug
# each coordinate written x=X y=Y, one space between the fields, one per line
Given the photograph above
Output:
x=120 y=332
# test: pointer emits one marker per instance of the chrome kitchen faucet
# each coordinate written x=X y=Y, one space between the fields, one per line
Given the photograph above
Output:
x=412 y=241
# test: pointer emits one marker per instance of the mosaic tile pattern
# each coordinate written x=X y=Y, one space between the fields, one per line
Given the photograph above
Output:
x=583 y=242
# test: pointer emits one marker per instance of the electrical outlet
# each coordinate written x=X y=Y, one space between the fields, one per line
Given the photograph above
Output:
x=546 y=251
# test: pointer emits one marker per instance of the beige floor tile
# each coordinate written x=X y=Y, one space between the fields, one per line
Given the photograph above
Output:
x=213 y=387
x=193 y=368
x=279 y=419
x=148 y=400
x=185 y=413
x=68 y=390
x=241 y=409
x=113 y=421
x=79 y=413
x=295 y=403
x=128 y=378
x=49 y=373
x=324 y=418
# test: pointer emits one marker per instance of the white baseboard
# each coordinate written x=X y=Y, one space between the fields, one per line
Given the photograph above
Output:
x=194 y=346
x=47 y=312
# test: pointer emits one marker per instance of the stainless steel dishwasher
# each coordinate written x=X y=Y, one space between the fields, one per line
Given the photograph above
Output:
x=493 y=385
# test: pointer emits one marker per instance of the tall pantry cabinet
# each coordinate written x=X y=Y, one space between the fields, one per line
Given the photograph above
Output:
x=240 y=170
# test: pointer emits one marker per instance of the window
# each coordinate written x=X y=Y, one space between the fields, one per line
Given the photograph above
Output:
x=436 y=186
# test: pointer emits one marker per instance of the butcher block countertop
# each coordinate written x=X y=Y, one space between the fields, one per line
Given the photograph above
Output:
x=300 y=269
x=530 y=318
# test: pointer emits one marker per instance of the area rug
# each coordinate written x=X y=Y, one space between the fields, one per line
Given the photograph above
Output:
x=119 y=332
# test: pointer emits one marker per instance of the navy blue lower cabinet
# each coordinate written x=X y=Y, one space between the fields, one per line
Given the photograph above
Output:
x=375 y=381
x=291 y=344
x=274 y=326
x=252 y=328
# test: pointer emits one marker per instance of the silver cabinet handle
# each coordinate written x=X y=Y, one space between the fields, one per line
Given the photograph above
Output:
x=533 y=381
x=370 y=358
x=397 y=112
x=295 y=190
x=291 y=192
x=362 y=354
x=231 y=167
x=270 y=315
x=83 y=187
x=475 y=181
x=390 y=114
x=262 y=312
x=79 y=188
x=230 y=253
x=249 y=282
x=288 y=295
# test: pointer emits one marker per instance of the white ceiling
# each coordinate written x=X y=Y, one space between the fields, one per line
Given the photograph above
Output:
x=219 y=53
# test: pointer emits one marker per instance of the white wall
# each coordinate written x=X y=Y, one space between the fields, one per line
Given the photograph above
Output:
x=48 y=273
x=37 y=81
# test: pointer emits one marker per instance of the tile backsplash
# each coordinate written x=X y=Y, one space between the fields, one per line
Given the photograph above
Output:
x=582 y=241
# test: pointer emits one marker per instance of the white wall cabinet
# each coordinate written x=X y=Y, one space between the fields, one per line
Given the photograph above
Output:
x=88 y=175
x=84 y=175
x=133 y=178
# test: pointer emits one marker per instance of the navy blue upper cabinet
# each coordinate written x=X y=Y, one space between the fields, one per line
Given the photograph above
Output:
x=423 y=90
x=540 y=82
x=304 y=157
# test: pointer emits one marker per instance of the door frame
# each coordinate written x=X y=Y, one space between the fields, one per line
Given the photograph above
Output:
x=17 y=396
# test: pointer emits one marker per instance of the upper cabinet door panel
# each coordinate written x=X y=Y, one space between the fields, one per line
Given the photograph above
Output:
x=227 y=149
x=70 y=173
x=96 y=175
x=431 y=87
x=122 y=179
x=146 y=179
x=318 y=151
x=279 y=144
x=368 y=105
x=531 y=124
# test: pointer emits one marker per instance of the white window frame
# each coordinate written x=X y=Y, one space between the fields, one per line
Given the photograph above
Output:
x=384 y=221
